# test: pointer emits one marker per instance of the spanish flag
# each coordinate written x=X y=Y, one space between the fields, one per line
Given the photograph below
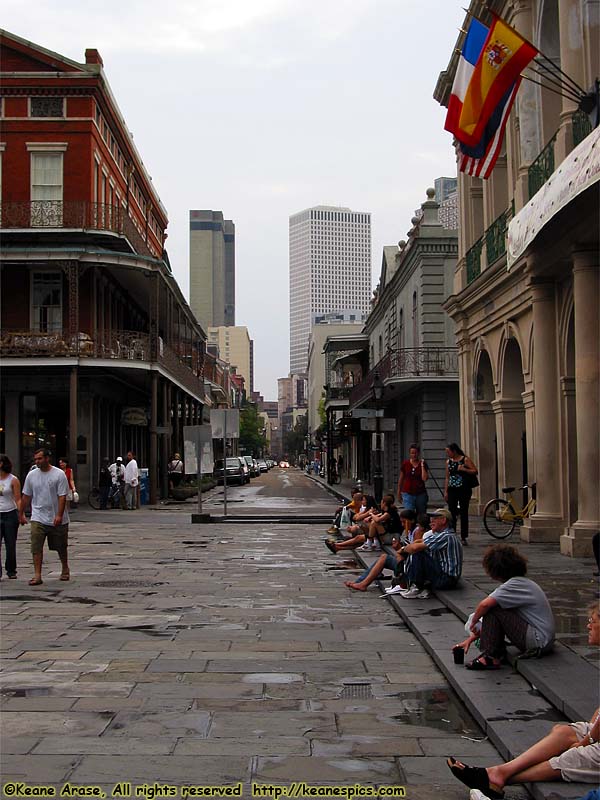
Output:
x=502 y=58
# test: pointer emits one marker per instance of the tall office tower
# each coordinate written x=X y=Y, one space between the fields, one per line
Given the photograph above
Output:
x=444 y=187
x=212 y=268
x=330 y=271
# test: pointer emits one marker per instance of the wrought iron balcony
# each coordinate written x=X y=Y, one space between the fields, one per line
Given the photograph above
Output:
x=495 y=236
x=582 y=127
x=473 y=259
x=338 y=392
x=72 y=215
x=117 y=345
x=542 y=168
x=408 y=364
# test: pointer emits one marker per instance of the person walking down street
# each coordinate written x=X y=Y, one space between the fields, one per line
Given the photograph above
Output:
x=10 y=497
x=175 y=470
x=461 y=478
x=64 y=465
x=569 y=752
x=131 y=481
x=46 y=489
x=104 y=483
x=340 y=465
x=518 y=610
x=411 y=482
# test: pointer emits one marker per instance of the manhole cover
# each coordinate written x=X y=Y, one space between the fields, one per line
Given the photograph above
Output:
x=356 y=691
x=123 y=584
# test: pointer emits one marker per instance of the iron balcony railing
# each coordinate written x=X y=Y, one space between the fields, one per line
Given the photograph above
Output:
x=74 y=215
x=542 y=168
x=119 y=345
x=495 y=235
x=582 y=127
x=409 y=363
x=473 y=260
x=338 y=392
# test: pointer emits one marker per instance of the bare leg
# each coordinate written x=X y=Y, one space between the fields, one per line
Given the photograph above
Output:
x=532 y=765
x=38 y=559
x=350 y=543
x=374 y=573
x=64 y=560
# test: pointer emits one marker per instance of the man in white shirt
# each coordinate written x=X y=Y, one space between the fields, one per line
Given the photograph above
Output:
x=131 y=481
x=46 y=488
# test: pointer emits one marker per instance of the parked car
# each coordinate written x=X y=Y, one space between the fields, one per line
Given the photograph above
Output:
x=235 y=471
x=252 y=468
x=246 y=468
x=262 y=465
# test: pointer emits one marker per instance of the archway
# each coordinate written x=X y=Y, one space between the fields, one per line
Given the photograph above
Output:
x=485 y=430
x=510 y=420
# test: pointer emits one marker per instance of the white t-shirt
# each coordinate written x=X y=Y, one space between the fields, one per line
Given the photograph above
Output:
x=45 y=488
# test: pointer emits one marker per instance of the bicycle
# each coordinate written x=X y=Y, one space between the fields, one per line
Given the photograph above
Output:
x=500 y=517
x=113 y=500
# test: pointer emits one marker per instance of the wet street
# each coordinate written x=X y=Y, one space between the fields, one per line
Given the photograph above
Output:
x=216 y=654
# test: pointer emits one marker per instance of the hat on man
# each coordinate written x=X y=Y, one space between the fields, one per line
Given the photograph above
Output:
x=442 y=512
x=119 y=458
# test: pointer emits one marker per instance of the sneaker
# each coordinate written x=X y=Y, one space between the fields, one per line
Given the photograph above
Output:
x=412 y=593
x=394 y=590
x=376 y=547
x=365 y=548
x=424 y=595
x=477 y=794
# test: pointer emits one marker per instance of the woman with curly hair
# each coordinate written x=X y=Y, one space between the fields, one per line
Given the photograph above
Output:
x=517 y=610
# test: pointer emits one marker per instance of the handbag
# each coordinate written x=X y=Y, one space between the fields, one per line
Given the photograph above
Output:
x=76 y=497
x=470 y=480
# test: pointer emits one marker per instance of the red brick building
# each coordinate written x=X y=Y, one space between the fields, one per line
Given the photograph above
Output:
x=99 y=351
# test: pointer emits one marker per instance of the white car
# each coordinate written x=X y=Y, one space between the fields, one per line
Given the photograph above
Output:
x=284 y=464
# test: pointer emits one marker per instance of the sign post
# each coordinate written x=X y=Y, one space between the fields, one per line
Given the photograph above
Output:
x=198 y=459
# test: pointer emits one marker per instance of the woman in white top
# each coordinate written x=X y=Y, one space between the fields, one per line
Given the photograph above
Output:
x=10 y=497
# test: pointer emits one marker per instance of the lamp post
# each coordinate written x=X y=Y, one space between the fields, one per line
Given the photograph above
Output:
x=377 y=473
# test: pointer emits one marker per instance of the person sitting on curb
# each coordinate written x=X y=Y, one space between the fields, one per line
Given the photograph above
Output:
x=361 y=521
x=569 y=752
x=386 y=560
x=436 y=559
x=385 y=524
x=360 y=530
x=518 y=610
x=353 y=507
x=412 y=533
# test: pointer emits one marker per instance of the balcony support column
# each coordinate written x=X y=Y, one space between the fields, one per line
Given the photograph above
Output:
x=72 y=271
x=165 y=440
x=154 y=439
x=73 y=418
x=571 y=48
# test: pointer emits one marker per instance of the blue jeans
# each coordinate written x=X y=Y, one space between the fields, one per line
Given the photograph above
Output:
x=423 y=569
x=9 y=527
x=416 y=502
x=390 y=563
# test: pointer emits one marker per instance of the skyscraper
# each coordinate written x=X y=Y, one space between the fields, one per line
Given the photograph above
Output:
x=330 y=271
x=212 y=268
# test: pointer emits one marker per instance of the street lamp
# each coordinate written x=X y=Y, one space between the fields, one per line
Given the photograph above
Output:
x=377 y=473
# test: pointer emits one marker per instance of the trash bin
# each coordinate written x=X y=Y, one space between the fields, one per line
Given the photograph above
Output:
x=144 y=486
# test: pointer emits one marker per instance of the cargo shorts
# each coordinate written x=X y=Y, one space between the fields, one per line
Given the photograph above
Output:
x=57 y=535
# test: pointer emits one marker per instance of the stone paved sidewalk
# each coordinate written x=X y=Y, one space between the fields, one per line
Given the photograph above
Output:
x=214 y=654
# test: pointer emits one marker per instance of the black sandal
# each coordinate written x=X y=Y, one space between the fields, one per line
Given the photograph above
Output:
x=474 y=778
x=330 y=546
x=482 y=663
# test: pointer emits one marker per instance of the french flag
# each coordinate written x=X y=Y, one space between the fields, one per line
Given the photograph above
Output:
x=471 y=50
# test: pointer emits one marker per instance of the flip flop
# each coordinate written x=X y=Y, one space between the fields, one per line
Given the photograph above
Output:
x=479 y=665
x=65 y=577
x=474 y=778
x=35 y=581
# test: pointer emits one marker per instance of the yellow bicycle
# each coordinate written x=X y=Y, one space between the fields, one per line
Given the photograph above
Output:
x=500 y=517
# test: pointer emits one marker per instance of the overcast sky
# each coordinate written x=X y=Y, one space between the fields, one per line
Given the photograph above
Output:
x=261 y=108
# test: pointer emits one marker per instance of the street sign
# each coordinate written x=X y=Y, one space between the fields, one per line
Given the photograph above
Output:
x=368 y=413
x=225 y=418
x=385 y=424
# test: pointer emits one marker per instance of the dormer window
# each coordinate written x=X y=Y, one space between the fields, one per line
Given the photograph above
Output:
x=46 y=106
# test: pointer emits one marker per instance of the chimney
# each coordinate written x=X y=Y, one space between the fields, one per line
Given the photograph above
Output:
x=92 y=56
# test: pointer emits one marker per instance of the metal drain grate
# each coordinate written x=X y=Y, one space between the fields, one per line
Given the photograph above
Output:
x=356 y=691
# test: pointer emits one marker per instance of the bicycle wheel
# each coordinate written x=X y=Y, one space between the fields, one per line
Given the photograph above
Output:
x=499 y=518
x=94 y=498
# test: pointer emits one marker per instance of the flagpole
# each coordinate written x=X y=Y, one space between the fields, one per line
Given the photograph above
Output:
x=554 y=70
x=544 y=86
x=567 y=91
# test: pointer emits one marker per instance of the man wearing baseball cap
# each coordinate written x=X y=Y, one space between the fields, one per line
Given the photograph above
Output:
x=436 y=560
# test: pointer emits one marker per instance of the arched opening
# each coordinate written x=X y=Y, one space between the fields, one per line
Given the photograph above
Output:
x=485 y=430
x=510 y=421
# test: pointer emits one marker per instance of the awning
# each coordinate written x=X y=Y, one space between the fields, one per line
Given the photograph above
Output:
x=579 y=171
x=349 y=356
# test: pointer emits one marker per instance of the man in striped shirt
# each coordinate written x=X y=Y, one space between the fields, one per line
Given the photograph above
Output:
x=436 y=560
